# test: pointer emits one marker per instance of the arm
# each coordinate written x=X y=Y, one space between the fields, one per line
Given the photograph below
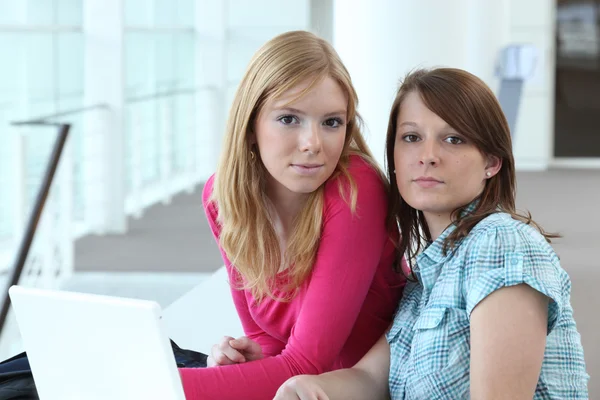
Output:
x=508 y=338
x=366 y=380
x=269 y=345
x=514 y=297
x=350 y=250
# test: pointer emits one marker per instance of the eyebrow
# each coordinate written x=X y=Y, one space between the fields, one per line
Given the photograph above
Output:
x=408 y=123
x=296 y=111
x=414 y=125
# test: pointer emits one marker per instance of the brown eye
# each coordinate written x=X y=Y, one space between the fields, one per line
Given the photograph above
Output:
x=287 y=119
x=454 y=140
x=410 y=138
x=334 y=122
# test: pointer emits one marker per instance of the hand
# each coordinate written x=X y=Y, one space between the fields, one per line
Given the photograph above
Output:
x=234 y=351
x=301 y=387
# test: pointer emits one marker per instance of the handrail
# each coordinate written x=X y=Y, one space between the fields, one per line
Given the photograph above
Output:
x=43 y=120
x=40 y=201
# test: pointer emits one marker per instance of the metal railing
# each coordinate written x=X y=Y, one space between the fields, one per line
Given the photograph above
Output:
x=34 y=217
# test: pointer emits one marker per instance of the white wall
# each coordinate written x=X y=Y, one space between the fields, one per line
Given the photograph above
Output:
x=533 y=21
x=381 y=40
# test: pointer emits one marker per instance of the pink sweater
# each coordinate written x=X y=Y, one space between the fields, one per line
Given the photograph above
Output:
x=339 y=312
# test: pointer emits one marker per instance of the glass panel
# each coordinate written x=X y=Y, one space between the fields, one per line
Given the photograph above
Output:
x=139 y=64
x=70 y=66
x=10 y=11
x=40 y=68
x=165 y=62
x=165 y=12
x=69 y=12
x=10 y=72
x=138 y=12
x=185 y=13
x=40 y=12
x=185 y=57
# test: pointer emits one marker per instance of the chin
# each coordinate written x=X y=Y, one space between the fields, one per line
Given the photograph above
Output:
x=305 y=188
x=428 y=205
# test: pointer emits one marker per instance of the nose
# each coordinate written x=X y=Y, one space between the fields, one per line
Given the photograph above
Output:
x=430 y=153
x=310 y=141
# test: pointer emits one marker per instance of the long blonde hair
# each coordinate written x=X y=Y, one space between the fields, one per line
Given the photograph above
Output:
x=247 y=233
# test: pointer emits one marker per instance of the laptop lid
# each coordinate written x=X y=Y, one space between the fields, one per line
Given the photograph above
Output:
x=88 y=347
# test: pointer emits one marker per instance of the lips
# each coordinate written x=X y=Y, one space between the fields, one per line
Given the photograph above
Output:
x=307 y=166
x=307 y=169
x=427 y=182
x=427 y=179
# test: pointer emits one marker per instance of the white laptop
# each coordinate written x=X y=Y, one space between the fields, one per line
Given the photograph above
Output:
x=91 y=347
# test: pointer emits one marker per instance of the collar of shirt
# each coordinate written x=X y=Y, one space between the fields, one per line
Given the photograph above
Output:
x=431 y=260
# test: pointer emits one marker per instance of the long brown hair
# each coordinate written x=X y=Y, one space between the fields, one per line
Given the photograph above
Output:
x=468 y=105
x=247 y=233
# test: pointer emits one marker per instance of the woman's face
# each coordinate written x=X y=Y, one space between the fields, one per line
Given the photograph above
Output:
x=437 y=169
x=300 y=141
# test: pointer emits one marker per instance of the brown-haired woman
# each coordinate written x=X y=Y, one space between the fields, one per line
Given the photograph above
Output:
x=488 y=313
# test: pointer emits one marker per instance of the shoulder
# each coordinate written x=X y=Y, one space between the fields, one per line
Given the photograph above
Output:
x=208 y=189
x=209 y=206
x=501 y=251
x=500 y=233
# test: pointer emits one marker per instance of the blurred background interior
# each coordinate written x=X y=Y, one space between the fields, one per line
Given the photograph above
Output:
x=146 y=87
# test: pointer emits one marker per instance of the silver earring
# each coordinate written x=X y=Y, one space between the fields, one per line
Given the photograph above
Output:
x=394 y=171
x=488 y=174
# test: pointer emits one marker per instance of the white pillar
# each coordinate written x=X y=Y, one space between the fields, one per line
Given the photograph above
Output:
x=103 y=132
x=321 y=18
x=380 y=41
x=211 y=81
x=487 y=32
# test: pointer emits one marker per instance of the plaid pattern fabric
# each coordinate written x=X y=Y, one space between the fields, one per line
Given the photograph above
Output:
x=430 y=337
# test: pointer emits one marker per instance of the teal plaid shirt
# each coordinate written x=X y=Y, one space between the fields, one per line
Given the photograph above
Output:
x=430 y=337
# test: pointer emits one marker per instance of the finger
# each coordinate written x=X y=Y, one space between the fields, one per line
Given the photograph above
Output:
x=246 y=346
x=231 y=353
x=219 y=357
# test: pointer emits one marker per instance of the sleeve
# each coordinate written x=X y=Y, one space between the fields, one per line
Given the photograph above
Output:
x=269 y=345
x=349 y=253
x=503 y=256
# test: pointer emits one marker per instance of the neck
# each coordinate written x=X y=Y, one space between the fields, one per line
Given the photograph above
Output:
x=285 y=208
x=437 y=223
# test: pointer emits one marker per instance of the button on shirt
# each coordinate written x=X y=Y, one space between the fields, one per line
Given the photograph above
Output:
x=430 y=337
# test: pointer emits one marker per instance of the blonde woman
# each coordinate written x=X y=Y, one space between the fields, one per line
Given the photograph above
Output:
x=299 y=211
x=488 y=315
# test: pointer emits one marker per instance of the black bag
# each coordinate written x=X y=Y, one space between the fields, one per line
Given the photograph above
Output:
x=16 y=379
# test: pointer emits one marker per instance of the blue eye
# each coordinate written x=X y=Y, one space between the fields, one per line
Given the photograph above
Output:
x=288 y=119
x=333 y=122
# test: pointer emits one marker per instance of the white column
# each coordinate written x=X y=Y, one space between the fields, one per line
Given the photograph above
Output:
x=321 y=18
x=533 y=22
x=487 y=32
x=380 y=41
x=104 y=131
x=211 y=80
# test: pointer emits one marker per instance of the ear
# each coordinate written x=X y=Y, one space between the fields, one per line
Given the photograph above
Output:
x=493 y=166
